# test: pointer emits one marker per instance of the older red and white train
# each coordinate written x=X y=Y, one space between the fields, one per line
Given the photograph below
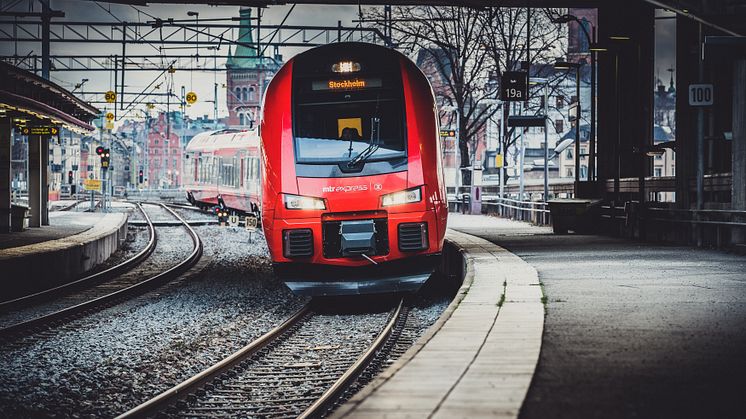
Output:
x=352 y=193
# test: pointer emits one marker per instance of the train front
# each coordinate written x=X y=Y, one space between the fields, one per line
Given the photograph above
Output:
x=353 y=195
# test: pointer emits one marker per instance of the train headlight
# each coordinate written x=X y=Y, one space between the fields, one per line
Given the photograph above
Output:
x=346 y=67
x=297 y=202
x=407 y=196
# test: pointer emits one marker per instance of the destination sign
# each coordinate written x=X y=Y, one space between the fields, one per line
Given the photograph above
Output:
x=448 y=133
x=40 y=130
x=346 y=84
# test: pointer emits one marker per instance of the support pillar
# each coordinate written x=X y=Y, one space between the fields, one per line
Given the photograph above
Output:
x=44 y=169
x=34 y=180
x=687 y=42
x=738 y=191
x=5 y=173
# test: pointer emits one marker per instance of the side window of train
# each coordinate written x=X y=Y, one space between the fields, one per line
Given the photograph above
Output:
x=255 y=169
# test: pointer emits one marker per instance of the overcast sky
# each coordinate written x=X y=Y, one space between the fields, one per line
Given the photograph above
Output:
x=665 y=45
x=202 y=82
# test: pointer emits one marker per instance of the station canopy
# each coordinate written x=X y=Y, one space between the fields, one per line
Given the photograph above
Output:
x=26 y=95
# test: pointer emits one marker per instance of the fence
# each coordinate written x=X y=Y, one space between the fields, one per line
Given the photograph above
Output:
x=530 y=211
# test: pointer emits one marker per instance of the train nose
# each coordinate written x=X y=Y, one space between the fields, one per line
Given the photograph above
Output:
x=358 y=237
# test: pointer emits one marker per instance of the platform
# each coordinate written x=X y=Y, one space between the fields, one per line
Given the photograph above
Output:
x=479 y=358
x=73 y=243
x=631 y=330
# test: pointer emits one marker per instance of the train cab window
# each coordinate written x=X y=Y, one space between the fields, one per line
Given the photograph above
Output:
x=338 y=117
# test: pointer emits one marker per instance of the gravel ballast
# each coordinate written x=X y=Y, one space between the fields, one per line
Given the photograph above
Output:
x=109 y=362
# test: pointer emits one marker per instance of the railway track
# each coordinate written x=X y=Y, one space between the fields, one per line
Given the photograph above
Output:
x=141 y=273
x=299 y=369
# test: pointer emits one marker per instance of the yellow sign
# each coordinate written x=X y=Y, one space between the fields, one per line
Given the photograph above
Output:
x=40 y=130
x=92 y=185
x=354 y=127
x=110 y=96
x=150 y=105
x=498 y=161
x=110 y=116
x=109 y=125
x=191 y=97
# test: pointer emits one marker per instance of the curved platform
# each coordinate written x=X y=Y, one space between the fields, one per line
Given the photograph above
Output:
x=479 y=358
x=41 y=258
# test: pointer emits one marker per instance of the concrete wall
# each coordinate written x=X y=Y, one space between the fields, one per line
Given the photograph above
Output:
x=44 y=265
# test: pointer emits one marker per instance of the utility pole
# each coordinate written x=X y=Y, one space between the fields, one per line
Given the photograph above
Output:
x=45 y=38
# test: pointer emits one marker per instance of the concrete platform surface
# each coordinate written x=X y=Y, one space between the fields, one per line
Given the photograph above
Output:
x=632 y=329
x=61 y=225
x=74 y=243
x=478 y=359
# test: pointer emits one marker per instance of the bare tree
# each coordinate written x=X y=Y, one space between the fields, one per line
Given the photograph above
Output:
x=513 y=36
x=448 y=44
x=463 y=51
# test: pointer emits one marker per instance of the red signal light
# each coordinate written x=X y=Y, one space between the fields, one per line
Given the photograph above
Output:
x=99 y=150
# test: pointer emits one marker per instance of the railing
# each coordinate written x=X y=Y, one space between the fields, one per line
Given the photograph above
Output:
x=530 y=211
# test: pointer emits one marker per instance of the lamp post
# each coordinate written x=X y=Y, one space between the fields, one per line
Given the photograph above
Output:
x=591 y=40
x=564 y=65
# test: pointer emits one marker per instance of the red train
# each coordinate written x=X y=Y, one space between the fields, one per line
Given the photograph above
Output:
x=223 y=168
x=353 y=199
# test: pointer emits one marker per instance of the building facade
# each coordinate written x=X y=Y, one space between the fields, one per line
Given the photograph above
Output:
x=248 y=73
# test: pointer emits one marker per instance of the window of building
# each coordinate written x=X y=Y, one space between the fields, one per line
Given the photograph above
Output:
x=568 y=172
x=245 y=94
x=657 y=172
x=175 y=164
x=238 y=93
x=659 y=157
x=560 y=102
x=568 y=153
x=559 y=125
x=251 y=93
x=573 y=99
x=241 y=119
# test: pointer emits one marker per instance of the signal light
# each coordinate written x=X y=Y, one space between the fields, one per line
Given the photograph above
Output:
x=104 y=157
x=140 y=176
x=70 y=177
x=100 y=150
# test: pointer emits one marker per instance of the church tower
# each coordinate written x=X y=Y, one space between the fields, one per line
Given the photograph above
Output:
x=247 y=76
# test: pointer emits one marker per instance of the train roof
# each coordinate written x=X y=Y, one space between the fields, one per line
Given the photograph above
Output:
x=211 y=141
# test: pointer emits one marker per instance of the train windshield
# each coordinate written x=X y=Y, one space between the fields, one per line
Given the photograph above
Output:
x=335 y=133
x=348 y=118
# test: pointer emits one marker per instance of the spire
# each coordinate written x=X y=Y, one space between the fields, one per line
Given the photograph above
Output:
x=244 y=34
x=246 y=53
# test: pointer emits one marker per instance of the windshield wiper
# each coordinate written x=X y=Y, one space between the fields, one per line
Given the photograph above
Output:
x=364 y=155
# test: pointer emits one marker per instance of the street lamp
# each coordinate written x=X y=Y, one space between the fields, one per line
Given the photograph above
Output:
x=593 y=50
x=564 y=65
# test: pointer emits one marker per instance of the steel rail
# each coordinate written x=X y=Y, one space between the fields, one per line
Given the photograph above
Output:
x=330 y=396
x=115 y=270
x=169 y=396
x=103 y=301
